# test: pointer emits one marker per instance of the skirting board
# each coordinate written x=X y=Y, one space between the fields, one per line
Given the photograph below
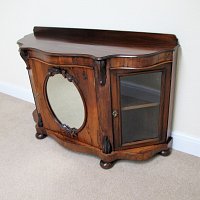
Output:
x=187 y=144
x=16 y=91
x=181 y=141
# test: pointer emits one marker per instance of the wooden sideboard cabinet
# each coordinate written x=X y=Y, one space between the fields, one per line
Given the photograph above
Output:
x=101 y=92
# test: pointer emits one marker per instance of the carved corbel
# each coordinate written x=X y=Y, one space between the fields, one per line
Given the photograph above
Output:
x=106 y=145
x=40 y=130
x=40 y=122
x=102 y=72
x=24 y=54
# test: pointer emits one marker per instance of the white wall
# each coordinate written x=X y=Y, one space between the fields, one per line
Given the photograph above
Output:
x=180 y=17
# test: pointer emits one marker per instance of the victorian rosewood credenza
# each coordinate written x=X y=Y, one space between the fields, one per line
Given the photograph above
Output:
x=102 y=92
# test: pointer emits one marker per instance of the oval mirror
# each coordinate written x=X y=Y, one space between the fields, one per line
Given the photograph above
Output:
x=65 y=101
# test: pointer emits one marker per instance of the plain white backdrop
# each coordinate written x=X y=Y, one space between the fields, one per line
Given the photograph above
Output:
x=179 y=17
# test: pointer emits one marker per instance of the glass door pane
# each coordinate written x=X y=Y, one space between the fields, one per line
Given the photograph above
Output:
x=140 y=106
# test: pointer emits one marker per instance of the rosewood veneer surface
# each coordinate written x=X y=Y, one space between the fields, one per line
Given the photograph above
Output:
x=96 y=59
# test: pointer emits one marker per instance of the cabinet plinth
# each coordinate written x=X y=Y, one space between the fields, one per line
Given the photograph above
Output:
x=107 y=93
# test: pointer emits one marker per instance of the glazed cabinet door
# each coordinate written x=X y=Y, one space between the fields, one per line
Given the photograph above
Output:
x=140 y=103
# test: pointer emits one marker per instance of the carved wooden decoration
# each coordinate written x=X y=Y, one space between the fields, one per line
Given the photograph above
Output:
x=71 y=132
x=106 y=146
x=40 y=123
x=102 y=72
x=56 y=70
x=24 y=54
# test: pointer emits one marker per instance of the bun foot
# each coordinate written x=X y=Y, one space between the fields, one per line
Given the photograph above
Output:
x=165 y=152
x=106 y=165
x=40 y=136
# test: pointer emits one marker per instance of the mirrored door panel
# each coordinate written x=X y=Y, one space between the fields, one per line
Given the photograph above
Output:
x=65 y=101
x=140 y=96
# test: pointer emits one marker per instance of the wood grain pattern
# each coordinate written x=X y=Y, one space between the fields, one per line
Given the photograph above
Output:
x=97 y=44
x=143 y=153
x=38 y=77
x=96 y=58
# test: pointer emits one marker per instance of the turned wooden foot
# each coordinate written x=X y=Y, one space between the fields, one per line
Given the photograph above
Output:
x=106 y=165
x=40 y=136
x=165 y=152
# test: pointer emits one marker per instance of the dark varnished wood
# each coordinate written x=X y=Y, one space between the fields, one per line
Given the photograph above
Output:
x=138 y=153
x=106 y=165
x=172 y=91
x=40 y=135
x=107 y=37
x=166 y=152
x=40 y=74
x=92 y=60
x=106 y=145
x=164 y=101
x=40 y=130
x=97 y=44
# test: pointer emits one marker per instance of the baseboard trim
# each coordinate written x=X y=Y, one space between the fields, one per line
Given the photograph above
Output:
x=16 y=91
x=181 y=141
x=186 y=144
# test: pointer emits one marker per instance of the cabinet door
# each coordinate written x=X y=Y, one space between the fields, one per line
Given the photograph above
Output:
x=66 y=99
x=140 y=102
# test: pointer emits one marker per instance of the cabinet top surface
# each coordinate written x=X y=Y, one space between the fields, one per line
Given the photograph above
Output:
x=97 y=44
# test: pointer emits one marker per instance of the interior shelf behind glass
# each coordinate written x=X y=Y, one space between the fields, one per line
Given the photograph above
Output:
x=140 y=106
x=131 y=103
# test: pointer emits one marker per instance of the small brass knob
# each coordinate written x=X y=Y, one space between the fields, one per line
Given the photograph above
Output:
x=115 y=113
